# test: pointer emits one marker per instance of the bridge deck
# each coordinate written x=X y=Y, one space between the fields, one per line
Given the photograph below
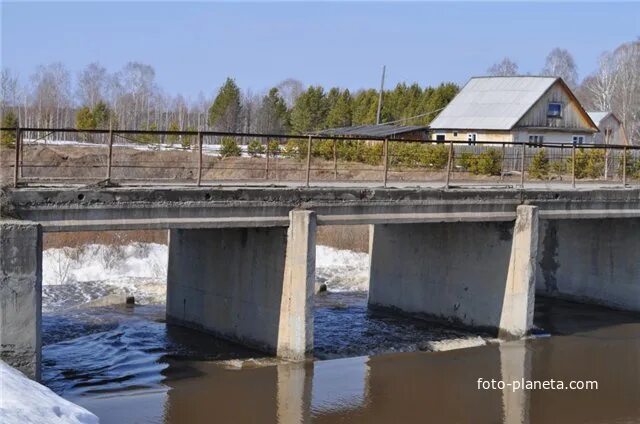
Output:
x=130 y=208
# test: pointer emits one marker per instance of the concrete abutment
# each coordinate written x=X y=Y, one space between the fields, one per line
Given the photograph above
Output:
x=249 y=285
x=21 y=295
x=477 y=274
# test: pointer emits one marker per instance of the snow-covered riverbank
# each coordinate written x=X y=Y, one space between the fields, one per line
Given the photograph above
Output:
x=23 y=401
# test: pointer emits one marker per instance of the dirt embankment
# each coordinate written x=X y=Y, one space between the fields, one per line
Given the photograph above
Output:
x=88 y=163
x=351 y=237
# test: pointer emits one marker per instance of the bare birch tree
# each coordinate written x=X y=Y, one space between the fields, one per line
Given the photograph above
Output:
x=505 y=68
x=560 y=63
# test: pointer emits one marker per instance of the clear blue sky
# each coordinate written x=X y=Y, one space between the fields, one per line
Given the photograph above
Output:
x=194 y=46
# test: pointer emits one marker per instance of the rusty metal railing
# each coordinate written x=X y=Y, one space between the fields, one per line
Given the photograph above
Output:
x=214 y=157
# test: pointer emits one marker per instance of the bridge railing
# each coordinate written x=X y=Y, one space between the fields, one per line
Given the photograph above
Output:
x=30 y=156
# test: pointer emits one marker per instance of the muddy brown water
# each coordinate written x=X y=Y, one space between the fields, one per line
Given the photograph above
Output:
x=586 y=343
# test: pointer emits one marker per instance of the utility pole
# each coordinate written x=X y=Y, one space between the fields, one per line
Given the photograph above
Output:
x=380 y=97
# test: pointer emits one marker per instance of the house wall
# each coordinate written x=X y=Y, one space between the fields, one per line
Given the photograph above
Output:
x=614 y=125
x=518 y=135
x=482 y=135
x=552 y=136
x=572 y=117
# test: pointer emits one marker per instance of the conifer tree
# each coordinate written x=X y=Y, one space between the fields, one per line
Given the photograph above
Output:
x=365 y=104
x=273 y=115
x=309 y=111
x=85 y=119
x=9 y=120
x=101 y=115
x=224 y=113
x=340 y=113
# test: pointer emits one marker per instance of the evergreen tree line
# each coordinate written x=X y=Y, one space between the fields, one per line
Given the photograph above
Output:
x=131 y=99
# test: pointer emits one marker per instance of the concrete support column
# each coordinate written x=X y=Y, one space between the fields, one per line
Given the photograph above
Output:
x=295 y=337
x=591 y=261
x=478 y=274
x=519 y=294
x=21 y=295
x=249 y=285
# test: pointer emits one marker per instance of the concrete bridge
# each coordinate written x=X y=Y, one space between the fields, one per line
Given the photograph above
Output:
x=242 y=260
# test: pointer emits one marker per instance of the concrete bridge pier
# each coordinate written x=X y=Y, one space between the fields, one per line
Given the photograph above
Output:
x=591 y=260
x=249 y=285
x=21 y=295
x=477 y=274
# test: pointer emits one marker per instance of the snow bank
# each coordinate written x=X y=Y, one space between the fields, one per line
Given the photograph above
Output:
x=23 y=401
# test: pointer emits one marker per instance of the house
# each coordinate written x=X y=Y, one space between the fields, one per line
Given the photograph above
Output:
x=517 y=109
x=392 y=132
x=611 y=131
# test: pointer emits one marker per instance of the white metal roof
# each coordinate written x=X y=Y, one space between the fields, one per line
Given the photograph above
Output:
x=598 y=116
x=492 y=103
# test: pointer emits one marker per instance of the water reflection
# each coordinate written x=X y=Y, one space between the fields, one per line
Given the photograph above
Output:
x=515 y=366
x=410 y=387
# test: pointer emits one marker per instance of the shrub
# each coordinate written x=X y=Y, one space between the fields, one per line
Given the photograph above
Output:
x=323 y=149
x=589 y=163
x=488 y=162
x=371 y=153
x=437 y=156
x=255 y=148
x=296 y=149
x=274 y=147
x=558 y=168
x=633 y=167
x=540 y=165
x=406 y=154
x=229 y=147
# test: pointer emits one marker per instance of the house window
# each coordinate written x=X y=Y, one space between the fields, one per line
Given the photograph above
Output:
x=439 y=137
x=578 y=140
x=536 y=139
x=554 y=110
x=471 y=138
x=455 y=133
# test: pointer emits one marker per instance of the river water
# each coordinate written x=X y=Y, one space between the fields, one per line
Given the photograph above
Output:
x=127 y=366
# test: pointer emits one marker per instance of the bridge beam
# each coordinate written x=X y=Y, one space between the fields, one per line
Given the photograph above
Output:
x=21 y=295
x=475 y=274
x=591 y=261
x=249 y=285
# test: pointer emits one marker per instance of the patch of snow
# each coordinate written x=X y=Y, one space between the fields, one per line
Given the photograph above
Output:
x=23 y=401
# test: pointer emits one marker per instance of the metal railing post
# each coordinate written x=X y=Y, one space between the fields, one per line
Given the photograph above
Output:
x=606 y=163
x=449 y=165
x=308 y=162
x=199 y=158
x=624 y=166
x=385 y=148
x=504 y=155
x=21 y=153
x=16 y=173
x=522 y=162
x=335 y=159
x=110 y=156
x=573 y=165
x=266 y=171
